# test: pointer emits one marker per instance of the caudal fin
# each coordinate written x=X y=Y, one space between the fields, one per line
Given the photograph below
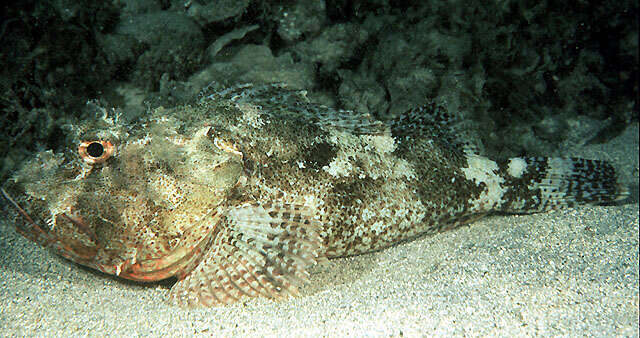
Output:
x=538 y=184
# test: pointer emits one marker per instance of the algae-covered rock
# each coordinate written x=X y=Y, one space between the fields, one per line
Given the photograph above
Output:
x=510 y=67
x=173 y=44
x=303 y=18
x=211 y=11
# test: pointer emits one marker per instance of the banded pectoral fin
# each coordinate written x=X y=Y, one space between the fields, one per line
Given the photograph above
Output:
x=259 y=250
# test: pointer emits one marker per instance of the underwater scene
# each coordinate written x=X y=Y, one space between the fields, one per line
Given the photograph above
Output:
x=319 y=168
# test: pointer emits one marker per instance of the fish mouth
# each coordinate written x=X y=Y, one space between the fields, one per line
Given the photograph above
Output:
x=174 y=263
x=73 y=250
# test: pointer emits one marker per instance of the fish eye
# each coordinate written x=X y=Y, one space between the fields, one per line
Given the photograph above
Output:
x=95 y=152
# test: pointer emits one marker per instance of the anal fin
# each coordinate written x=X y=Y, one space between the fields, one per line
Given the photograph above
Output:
x=259 y=250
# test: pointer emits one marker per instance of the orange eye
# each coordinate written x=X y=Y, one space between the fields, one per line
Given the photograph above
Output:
x=95 y=152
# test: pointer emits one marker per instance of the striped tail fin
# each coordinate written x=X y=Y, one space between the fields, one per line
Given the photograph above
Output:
x=537 y=184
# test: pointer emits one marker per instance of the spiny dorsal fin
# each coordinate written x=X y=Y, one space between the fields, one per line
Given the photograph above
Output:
x=435 y=121
x=348 y=120
x=277 y=100
x=261 y=250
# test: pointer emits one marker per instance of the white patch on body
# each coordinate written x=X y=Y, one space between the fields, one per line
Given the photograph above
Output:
x=517 y=166
x=363 y=156
x=484 y=170
x=340 y=167
x=251 y=115
x=379 y=144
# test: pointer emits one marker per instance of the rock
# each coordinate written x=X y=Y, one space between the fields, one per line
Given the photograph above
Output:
x=207 y=12
x=173 y=43
x=304 y=18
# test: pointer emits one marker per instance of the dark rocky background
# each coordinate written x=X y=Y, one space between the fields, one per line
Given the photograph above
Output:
x=527 y=74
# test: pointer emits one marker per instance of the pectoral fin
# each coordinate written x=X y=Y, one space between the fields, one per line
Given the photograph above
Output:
x=260 y=250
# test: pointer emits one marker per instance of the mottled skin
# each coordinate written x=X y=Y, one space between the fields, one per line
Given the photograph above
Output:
x=366 y=194
x=237 y=194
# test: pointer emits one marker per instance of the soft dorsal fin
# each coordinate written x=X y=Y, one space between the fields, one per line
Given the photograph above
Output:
x=277 y=100
x=435 y=121
x=260 y=250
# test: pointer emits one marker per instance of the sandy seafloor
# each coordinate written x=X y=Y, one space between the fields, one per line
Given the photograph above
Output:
x=569 y=272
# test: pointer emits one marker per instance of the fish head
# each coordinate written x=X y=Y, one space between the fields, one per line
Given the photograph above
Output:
x=138 y=201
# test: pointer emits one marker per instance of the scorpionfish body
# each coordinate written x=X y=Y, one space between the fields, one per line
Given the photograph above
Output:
x=237 y=194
